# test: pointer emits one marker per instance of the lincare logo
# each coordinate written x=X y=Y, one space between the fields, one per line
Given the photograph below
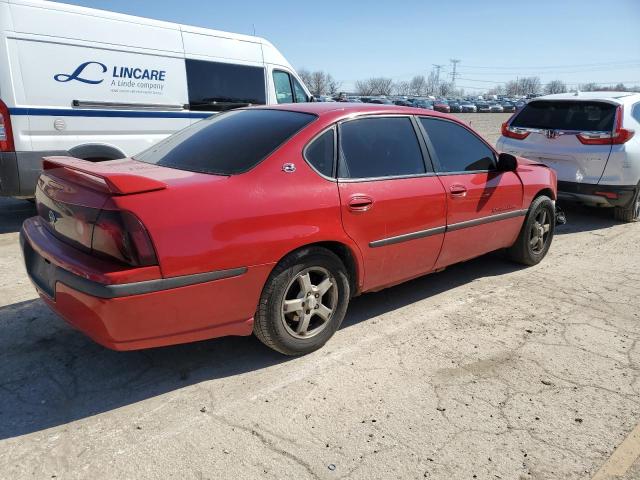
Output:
x=127 y=77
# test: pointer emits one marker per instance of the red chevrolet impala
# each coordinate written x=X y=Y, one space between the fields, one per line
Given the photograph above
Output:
x=267 y=220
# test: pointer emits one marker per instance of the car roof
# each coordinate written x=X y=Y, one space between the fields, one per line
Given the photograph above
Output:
x=349 y=109
x=612 y=97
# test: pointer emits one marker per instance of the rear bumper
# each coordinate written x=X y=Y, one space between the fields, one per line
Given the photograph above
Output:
x=149 y=313
x=605 y=195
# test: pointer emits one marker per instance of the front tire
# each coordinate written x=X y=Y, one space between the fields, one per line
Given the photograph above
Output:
x=303 y=302
x=536 y=234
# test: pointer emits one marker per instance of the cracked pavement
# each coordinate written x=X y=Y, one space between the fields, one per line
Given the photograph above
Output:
x=486 y=370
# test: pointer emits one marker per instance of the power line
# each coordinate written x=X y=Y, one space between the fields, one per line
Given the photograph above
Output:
x=454 y=63
x=438 y=68
x=555 y=66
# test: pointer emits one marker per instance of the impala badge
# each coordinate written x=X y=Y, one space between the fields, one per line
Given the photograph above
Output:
x=551 y=134
x=289 y=167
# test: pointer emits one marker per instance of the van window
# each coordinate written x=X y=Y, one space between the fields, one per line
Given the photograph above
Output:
x=456 y=148
x=379 y=147
x=216 y=87
x=282 y=83
x=227 y=144
x=301 y=95
x=566 y=115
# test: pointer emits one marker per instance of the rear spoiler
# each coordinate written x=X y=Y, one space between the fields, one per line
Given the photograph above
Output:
x=112 y=177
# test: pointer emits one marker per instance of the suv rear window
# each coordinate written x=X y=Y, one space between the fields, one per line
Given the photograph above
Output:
x=228 y=143
x=216 y=86
x=567 y=115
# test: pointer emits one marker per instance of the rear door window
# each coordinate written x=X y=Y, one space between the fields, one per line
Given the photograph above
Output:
x=216 y=86
x=229 y=143
x=456 y=148
x=567 y=115
x=379 y=147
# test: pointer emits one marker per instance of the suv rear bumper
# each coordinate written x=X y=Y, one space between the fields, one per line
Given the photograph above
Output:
x=605 y=195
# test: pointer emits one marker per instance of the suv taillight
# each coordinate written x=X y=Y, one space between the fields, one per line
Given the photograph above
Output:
x=514 y=132
x=6 y=135
x=617 y=137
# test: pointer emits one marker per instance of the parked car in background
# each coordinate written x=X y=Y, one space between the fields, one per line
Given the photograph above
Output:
x=108 y=243
x=508 y=107
x=483 y=107
x=441 y=106
x=402 y=103
x=468 y=107
x=381 y=101
x=454 y=107
x=520 y=104
x=495 y=108
x=590 y=139
x=324 y=98
x=354 y=99
x=99 y=85
x=426 y=104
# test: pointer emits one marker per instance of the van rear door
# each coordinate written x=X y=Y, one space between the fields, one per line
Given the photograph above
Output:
x=553 y=128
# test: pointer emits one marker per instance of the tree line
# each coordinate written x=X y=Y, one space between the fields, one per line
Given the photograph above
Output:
x=322 y=83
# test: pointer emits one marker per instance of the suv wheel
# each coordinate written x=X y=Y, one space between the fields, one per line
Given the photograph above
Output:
x=303 y=302
x=537 y=232
x=630 y=213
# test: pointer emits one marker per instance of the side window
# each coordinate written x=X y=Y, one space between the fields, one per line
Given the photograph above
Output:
x=301 y=95
x=457 y=149
x=320 y=153
x=379 y=147
x=216 y=86
x=282 y=83
x=635 y=113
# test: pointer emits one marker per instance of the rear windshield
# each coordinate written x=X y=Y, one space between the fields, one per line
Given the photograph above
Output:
x=593 y=116
x=228 y=143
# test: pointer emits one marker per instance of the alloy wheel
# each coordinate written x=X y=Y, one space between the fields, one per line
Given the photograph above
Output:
x=309 y=302
x=540 y=229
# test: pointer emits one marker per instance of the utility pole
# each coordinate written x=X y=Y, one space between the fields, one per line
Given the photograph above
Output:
x=454 y=73
x=437 y=67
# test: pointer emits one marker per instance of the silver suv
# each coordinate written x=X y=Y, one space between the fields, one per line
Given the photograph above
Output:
x=588 y=138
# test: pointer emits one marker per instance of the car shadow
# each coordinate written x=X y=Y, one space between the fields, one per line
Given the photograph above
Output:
x=51 y=374
x=13 y=212
x=581 y=218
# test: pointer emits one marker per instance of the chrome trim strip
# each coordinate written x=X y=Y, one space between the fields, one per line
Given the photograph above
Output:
x=490 y=219
x=125 y=106
x=407 y=236
x=449 y=228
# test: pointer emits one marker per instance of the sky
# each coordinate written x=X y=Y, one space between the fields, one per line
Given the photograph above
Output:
x=495 y=40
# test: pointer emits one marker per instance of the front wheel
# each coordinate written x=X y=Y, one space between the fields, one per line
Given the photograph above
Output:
x=536 y=234
x=303 y=302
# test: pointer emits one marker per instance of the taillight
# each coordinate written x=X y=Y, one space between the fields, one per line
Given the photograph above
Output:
x=514 y=132
x=122 y=236
x=6 y=135
x=617 y=137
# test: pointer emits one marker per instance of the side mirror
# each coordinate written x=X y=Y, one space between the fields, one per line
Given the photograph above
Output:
x=507 y=162
x=312 y=98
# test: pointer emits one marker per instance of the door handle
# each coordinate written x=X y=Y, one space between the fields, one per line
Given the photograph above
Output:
x=458 y=190
x=360 y=203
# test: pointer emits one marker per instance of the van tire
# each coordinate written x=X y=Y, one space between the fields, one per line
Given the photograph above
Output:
x=275 y=328
x=522 y=250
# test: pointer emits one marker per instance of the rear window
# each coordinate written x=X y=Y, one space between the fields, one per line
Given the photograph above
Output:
x=215 y=86
x=585 y=116
x=227 y=144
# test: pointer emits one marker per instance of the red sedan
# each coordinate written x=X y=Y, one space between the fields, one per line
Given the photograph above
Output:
x=267 y=220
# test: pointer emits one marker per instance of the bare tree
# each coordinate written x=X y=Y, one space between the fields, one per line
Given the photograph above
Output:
x=364 y=87
x=444 y=89
x=589 y=87
x=431 y=86
x=381 y=85
x=523 y=86
x=555 y=86
x=333 y=85
x=402 y=88
x=418 y=85
x=305 y=76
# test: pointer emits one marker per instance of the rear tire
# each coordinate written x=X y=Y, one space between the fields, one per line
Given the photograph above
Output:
x=303 y=302
x=630 y=213
x=536 y=234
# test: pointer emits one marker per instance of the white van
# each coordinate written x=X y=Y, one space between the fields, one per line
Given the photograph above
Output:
x=99 y=85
